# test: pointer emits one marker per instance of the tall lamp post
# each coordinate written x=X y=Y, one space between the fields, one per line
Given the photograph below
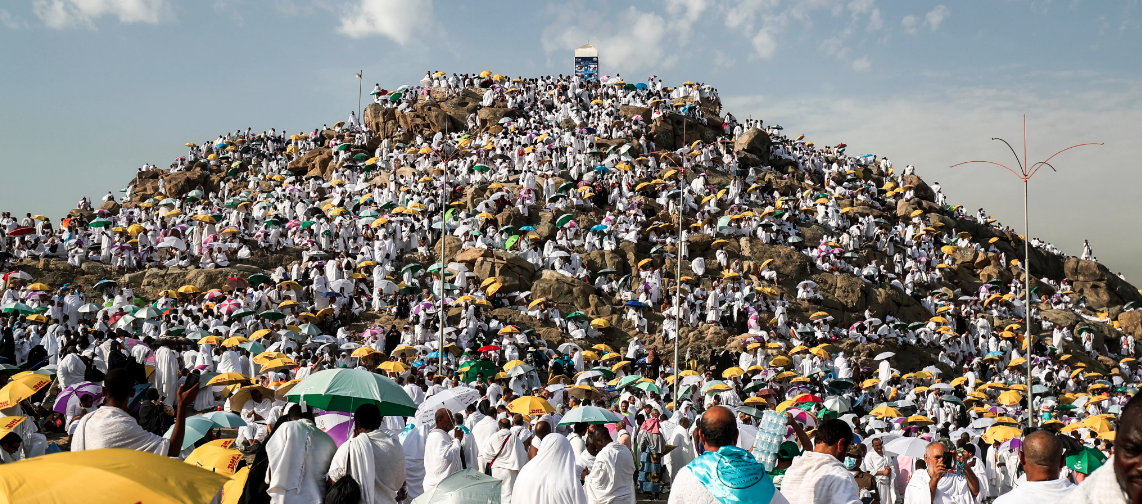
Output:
x=1025 y=172
x=359 y=90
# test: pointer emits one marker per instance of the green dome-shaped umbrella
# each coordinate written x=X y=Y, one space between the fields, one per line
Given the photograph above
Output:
x=347 y=389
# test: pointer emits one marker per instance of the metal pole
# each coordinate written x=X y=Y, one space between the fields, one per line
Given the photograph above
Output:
x=443 y=249
x=1027 y=336
x=678 y=288
x=359 y=89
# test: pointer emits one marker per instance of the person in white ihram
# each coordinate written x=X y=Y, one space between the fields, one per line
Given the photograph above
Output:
x=1042 y=459
x=941 y=484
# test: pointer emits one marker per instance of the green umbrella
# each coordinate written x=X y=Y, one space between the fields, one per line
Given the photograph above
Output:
x=465 y=487
x=9 y=369
x=481 y=168
x=242 y=313
x=411 y=268
x=754 y=385
x=258 y=278
x=564 y=219
x=347 y=389
x=1086 y=461
x=607 y=373
x=576 y=314
x=99 y=223
x=272 y=315
x=468 y=374
x=309 y=329
x=590 y=415
x=18 y=307
x=510 y=242
x=197 y=335
x=307 y=223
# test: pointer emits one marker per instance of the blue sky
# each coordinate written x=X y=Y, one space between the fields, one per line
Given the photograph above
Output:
x=94 y=88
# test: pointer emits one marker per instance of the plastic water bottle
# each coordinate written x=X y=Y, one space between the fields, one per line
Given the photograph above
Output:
x=770 y=434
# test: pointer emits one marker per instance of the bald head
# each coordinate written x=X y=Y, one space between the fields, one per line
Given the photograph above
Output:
x=542 y=429
x=718 y=428
x=1042 y=448
x=443 y=419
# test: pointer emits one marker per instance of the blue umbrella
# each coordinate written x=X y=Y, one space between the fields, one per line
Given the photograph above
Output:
x=867 y=155
x=418 y=364
x=527 y=228
x=599 y=227
x=642 y=86
x=602 y=169
x=432 y=355
x=635 y=304
x=331 y=294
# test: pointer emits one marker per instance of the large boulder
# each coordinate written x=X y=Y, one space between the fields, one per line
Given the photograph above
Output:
x=180 y=183
x=313 y=163
x=1101 y=288
x=754 y=141
x=1131 y=323
x=490 y=116
x=628 y=112
x=919 y=187
x=787 y=261
x=380 y=120
x=513 y=271
x=672 y=131
x=110 y=206
x=1062 y=318
x=562 y=290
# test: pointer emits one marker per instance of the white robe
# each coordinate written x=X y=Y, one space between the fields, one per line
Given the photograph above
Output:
x=373 y=456
x=552 y=477
x=611 y=479
x=510 y=456
x=166 y=375
x=299 y=458
x=111 y=427
x=819 y=478
x=441 y=458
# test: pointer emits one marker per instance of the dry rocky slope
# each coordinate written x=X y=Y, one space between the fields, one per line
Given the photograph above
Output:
x=845 y=296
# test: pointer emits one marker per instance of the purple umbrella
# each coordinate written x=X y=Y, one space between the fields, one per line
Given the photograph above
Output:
x=337 y=424
x=74 y=393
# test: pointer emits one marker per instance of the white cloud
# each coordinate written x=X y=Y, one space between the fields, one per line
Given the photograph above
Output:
x=862 y=65
x=835 y=46
x=764 y=43
x=11 y=22
x=61 y=14
x=630 y=41
x=875 y=22
x=685 y=13
x=909 y=23
x=398 y=20
x=936 y=17
x=940 y=127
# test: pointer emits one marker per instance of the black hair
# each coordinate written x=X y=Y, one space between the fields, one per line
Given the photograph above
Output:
x=367 y=417
x=833 y=430
x=119 y=384
x=11 y=439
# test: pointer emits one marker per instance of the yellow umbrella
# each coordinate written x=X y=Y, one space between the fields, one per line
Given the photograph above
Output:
x=590 y=355
x=871 y=382
x=217 y=456
x=820 y=352
x=1018 y=361
x=243 y=394
x=780 y=361
x=111 y=475
x=603 y=348
x=536 y=302
x=21 y=388
x=1001 y=433
x=620 y=365
x=512 y=364
x=530 y=405
x=229 y=379
x=7 y=424
x=611 y=355
x=260 y=333
x=265 y=357
x=234 y=341
x=189 y=289
x=393 y=367
x=600 y=323
x=733 y=372
x=1099 y=424
x=39 y=287
x=919 y=421
x=1010 y=398
x=885 y=412
x=363 y=352
x=277 y=365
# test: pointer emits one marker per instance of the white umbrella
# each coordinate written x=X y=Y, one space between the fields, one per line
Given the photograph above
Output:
x=933 y=369
x=453 y=400
x=807 y=283
x=884 y=355
x=172 y=242
x=90 y=308
x=982 y=423
x=940 y=386
x=568 y=347
x=837 y=403
x=907 y=446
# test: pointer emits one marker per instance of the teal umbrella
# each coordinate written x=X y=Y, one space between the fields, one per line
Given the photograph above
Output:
x=309 y=329
x=648 y=387
x=465 y=487
x=225 y=419
x=411 y=267
x=590 y=415
x=253 y=347
x=9 y=369
x=627 y=380
x=18 y=307
x=196 y=428
x=751 y=411
x=347 y=389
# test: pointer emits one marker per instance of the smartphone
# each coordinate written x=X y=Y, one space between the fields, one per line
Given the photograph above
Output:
x=949 y=460
x=193 y=378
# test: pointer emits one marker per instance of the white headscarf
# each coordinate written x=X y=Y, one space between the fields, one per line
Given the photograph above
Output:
x=552 y=476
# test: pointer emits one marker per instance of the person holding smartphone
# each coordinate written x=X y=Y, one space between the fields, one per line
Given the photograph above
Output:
x=947 y=480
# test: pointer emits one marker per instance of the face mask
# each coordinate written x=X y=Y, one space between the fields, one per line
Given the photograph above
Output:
x=850 y=463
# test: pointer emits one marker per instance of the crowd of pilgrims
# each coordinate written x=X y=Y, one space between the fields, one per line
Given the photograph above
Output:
x=368 y=231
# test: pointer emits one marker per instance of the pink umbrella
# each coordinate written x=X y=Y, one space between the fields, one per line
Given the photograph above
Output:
x=803 y=417
x=74 y=393
x=228 y=307
x=337 y=424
